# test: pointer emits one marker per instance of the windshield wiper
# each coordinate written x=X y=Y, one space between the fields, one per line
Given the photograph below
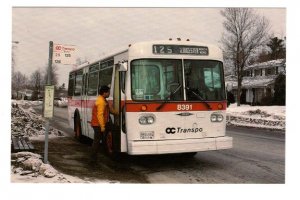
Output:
x=199 y=97
x=166 y=99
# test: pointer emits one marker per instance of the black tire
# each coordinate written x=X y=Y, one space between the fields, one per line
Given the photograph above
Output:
x=77 y=129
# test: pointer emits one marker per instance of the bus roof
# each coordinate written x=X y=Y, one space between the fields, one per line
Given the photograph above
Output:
x=214 y=51
x=152 y=49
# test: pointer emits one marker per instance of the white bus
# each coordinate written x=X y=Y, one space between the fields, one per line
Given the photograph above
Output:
x=170 y=96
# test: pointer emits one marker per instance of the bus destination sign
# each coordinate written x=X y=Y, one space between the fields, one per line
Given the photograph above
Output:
x=180 y=49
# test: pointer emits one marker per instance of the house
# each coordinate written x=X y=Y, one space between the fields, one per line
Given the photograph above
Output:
x=258 y=81
x=24 y=94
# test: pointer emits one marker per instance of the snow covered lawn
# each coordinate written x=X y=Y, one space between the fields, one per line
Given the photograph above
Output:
x=270 y=117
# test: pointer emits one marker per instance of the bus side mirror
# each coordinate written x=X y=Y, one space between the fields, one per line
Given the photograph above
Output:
x=123 y=66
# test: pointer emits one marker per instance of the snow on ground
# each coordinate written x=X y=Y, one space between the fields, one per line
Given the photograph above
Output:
x=26 y=122
x=270 y=117
x=29 y=167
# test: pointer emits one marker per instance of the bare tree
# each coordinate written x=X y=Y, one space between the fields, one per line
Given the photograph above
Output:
x=13 y=59
x=245 y=31
x=53 y=75
x=36 y=82
x=80 y=61
x=19 y=81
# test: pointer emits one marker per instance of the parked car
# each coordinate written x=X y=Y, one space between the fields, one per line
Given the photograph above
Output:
x=60 y=102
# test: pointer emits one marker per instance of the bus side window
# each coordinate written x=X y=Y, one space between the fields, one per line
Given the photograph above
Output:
x=92 y=84
x=105 y=76
x=71 y=86
x=78 y=83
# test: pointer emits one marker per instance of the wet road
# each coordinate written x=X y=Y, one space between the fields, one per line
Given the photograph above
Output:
x=258 y=156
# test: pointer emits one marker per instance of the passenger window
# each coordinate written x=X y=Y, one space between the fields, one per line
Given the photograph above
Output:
x=105 y=76
x=71 y=85
x=92 y=84
x=78 y=83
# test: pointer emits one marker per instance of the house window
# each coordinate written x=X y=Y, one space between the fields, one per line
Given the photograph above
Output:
x=247 y=73
x=271 y=71
x=258 y=72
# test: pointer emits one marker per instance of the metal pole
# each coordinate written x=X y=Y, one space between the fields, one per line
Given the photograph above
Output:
x=46 y=143
x=48 y=83
x=50 y=62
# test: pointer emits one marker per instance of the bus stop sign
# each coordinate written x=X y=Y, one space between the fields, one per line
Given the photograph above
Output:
x=64 y=54
x=49 y=101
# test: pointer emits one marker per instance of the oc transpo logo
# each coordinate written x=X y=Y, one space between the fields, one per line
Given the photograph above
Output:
x=170 y=130
x=173 y=130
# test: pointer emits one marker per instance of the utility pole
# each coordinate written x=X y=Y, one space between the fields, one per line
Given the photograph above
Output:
x=48 y=101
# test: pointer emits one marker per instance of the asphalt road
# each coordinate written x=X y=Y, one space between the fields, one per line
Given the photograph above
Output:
x=257 y=156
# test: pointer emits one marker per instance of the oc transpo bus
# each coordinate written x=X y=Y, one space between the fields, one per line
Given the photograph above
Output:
x=170 y=96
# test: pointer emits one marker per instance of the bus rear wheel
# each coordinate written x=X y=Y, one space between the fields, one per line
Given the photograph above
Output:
x=77 y=129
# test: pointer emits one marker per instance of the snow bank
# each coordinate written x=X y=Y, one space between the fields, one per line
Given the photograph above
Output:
x=28 y=167
x=25 y=121
x=270 y=117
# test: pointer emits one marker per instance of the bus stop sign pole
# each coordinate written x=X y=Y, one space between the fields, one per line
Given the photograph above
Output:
x=48 y=101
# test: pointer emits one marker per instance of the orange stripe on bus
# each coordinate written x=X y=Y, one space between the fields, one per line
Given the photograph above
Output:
x=178 y=106
x=132 y=106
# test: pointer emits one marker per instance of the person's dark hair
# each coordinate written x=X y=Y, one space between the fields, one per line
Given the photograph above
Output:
x=103 y=89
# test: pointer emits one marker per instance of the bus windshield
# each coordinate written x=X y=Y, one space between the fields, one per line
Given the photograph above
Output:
x=161 y=79
x=204 y=80
x=156 y=79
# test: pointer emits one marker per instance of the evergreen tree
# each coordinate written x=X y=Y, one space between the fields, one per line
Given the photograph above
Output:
x=279 y=87
x=277 y=48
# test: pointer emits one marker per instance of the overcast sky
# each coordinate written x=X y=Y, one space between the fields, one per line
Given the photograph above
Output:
x=97 y=31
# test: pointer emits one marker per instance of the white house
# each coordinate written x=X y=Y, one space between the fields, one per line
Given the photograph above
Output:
x=258 y=81
x=24 y=94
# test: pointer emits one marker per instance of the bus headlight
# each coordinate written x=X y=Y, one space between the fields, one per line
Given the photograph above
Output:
x=146 y=119
x=150 y=120
x=220 y=118
x=143 y=120
x=213 y=118
x=216 y=117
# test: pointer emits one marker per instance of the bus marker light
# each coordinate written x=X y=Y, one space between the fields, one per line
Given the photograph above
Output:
x=144 y=108
x=220 y=106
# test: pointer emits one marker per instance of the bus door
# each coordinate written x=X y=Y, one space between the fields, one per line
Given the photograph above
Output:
x=85 y=104
x=117 y=97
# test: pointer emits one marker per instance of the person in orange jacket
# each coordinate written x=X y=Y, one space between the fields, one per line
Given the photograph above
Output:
x=100 y=119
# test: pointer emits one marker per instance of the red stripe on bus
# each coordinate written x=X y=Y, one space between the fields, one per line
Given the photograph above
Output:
x=81 y=103
x=178 y=106
x=132 y=106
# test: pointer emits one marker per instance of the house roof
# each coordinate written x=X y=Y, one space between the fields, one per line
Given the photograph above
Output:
x=271 y=63
x=253 y=82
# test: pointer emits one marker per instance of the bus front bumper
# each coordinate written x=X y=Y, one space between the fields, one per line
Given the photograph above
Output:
x=179 y=146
